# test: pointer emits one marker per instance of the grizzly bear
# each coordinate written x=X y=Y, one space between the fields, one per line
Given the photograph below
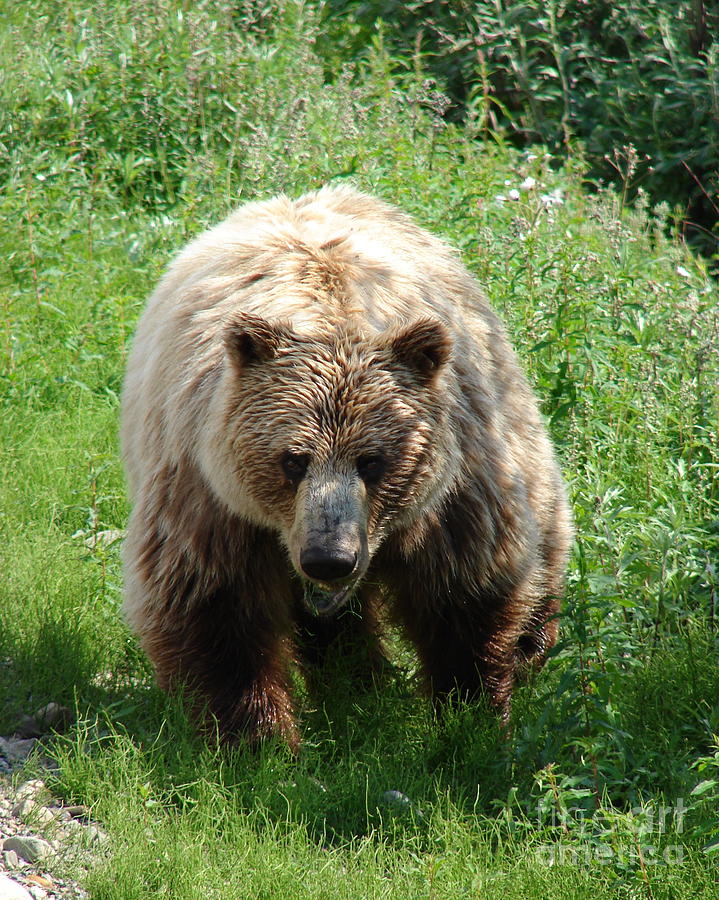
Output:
x=325 y=430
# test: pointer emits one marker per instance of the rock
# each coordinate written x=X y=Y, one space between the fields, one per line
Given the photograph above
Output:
x=28 y=728
x=40 y=881
x=30 y=789
x=77 y=812
x=23 y=851
x=28 y=847
x=397 y=800
x=16 y=750
x=24 y=808
x=94 y=835
x=32 y=813
x=11 y=890
x=10 y=859
x=61 y=814
x=51 y=717
x=400 y=804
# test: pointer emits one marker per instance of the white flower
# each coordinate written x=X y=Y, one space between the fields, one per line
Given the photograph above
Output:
x=514 y=194
x=683 y=272
x=552 y=199
x=528 y=184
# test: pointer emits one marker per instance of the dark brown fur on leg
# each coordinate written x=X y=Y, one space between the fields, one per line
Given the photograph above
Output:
x=236 y=668
x=464 y=656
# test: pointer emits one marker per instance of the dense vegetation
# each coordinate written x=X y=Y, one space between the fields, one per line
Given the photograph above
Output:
x=124 y=129
x=636 y=82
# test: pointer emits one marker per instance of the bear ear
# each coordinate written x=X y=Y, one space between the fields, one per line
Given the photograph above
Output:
x=252 y=339
x=424 y=347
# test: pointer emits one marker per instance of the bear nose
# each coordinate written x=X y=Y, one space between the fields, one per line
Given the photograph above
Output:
x=322 y=564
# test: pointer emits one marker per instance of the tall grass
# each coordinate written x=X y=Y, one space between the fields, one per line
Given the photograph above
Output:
x=124 y=130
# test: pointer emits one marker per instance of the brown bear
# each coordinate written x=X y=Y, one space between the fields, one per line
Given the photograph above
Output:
x=326 y=429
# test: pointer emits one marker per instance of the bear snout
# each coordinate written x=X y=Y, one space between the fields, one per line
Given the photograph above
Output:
x=328 y=564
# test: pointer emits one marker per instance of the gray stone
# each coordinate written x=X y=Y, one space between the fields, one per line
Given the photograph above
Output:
x=53 y=717
x=95 y=835
x=11 y=890
x=30 y=789
x=397 y=800
x=10 y=859
x=33 y=813
x=16 y=750
x=28 y=847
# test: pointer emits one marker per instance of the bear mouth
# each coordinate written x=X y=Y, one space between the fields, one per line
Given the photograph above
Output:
x=324 y=600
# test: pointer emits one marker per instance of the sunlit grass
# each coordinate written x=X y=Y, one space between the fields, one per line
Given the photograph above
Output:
x=172 y=121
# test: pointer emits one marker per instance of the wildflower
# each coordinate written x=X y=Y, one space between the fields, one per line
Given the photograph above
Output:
x=552 y=199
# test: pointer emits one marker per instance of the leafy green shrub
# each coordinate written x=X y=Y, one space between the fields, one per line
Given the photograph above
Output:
x=637 y=82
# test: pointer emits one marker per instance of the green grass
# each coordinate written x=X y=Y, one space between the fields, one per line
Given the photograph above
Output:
x=124 y=131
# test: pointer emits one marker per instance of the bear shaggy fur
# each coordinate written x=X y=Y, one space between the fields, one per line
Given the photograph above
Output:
x=325 y=429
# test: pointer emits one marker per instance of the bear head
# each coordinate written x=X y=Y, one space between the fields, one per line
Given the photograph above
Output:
x=332 y=439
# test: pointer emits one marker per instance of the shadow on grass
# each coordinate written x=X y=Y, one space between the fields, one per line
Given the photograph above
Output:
x=375 y=760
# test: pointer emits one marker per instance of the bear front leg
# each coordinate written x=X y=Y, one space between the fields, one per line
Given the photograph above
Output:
x=465 y=649
x=234 y=663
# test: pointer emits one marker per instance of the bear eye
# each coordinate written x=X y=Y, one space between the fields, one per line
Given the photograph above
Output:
x=371 y=467
x=294 y=465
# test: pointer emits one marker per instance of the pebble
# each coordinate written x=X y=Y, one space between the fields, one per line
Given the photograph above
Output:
x=32 y=813
x=397 y=800
x=11 y=890
x=36 y=829
x=10 y=859
x=28 y=847
x=16 y=750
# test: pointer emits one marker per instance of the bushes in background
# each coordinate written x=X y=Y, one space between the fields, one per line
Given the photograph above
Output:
x=637 y=82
